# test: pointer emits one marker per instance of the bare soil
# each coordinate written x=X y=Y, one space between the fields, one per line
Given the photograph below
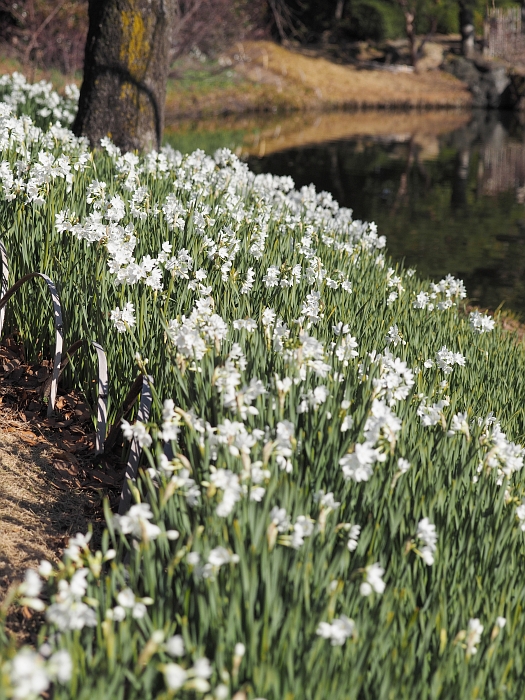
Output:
x=51 y=484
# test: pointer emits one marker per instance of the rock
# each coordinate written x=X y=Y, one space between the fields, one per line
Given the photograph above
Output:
x=488 y=81
x=516 y=92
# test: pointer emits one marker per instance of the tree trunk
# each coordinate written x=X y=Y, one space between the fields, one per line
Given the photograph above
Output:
x=466 y=25
x=410 y=30
x=125 y=73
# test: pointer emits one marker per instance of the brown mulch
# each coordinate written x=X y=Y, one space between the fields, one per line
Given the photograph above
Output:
x=52 y=485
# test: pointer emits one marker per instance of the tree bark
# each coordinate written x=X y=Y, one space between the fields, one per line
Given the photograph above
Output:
x=410 y=30
x=125 y=73
x=409 y=11
x=466 y=24
x=339 y=10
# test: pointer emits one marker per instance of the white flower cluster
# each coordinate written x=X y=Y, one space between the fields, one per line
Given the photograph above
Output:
x=31 y=673
x=393 y=282
x=459 y=424
x=180 y=480
x=30 y=590
x=301 y=529
x=137 y=431
x=337 y=631
x=32 y=174
x=346 y=348
x=474 y=632
x=203 y=329
x=442 y=295
x=170 y=422
x=501 y=454
x=194 y=678
x=69 y=612
x=122 y=320
x=395 y=379
x=226 y=481
x=381 y=429
x=228 y=377
x=127 y=601
x=481 y=323
x=373 y=580
x=136 y=522
x=47 y=104
x=426 y=534
x=394 y=336
x=445 y=360
x=218 y=557
x=353 y=537
x=433 y=414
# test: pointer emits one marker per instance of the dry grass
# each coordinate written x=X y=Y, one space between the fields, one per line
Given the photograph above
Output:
x=327 y=84
x=277 y=79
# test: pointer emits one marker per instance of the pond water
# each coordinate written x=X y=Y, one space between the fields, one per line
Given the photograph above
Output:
x=447 y=189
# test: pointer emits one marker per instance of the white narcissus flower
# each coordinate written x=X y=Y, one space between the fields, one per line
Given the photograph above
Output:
x=32 y=585
x=175 y=676
x=175 y=646
x=474 y=631
x=520 y=513
x=358 y=465
x=353 y=537
x=122 y=320
x=202 y=668
x=303 y=527
x=280 y=518
x=60 y=666
x=126 y=598
x=403 y=465
x=28 y=675
x=481 y=323
x=373 y=580
x=426 y=533
x=136 y=522
x=337 y=631
x=136 y=431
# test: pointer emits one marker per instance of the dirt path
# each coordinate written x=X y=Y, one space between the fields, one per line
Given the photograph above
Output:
x=37 y=513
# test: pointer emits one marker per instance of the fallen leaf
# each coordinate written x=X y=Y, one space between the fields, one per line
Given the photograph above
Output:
x=104 y=478
x=64 y=456
x=27 y=436
x=65 y=469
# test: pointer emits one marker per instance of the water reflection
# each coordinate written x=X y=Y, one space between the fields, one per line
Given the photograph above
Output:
x=448 y=200
x=447 y=188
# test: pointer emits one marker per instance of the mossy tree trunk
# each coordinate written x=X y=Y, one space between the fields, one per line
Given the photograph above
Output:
x=125 y=73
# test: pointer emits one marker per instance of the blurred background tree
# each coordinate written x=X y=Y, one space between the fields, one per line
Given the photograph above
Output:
x=52 y=33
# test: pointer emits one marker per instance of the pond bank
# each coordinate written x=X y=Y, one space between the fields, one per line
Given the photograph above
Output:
x=263 y=77
x=260 y=76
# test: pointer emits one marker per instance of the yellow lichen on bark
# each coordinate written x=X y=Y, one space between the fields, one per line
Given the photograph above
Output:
x=135 y=45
